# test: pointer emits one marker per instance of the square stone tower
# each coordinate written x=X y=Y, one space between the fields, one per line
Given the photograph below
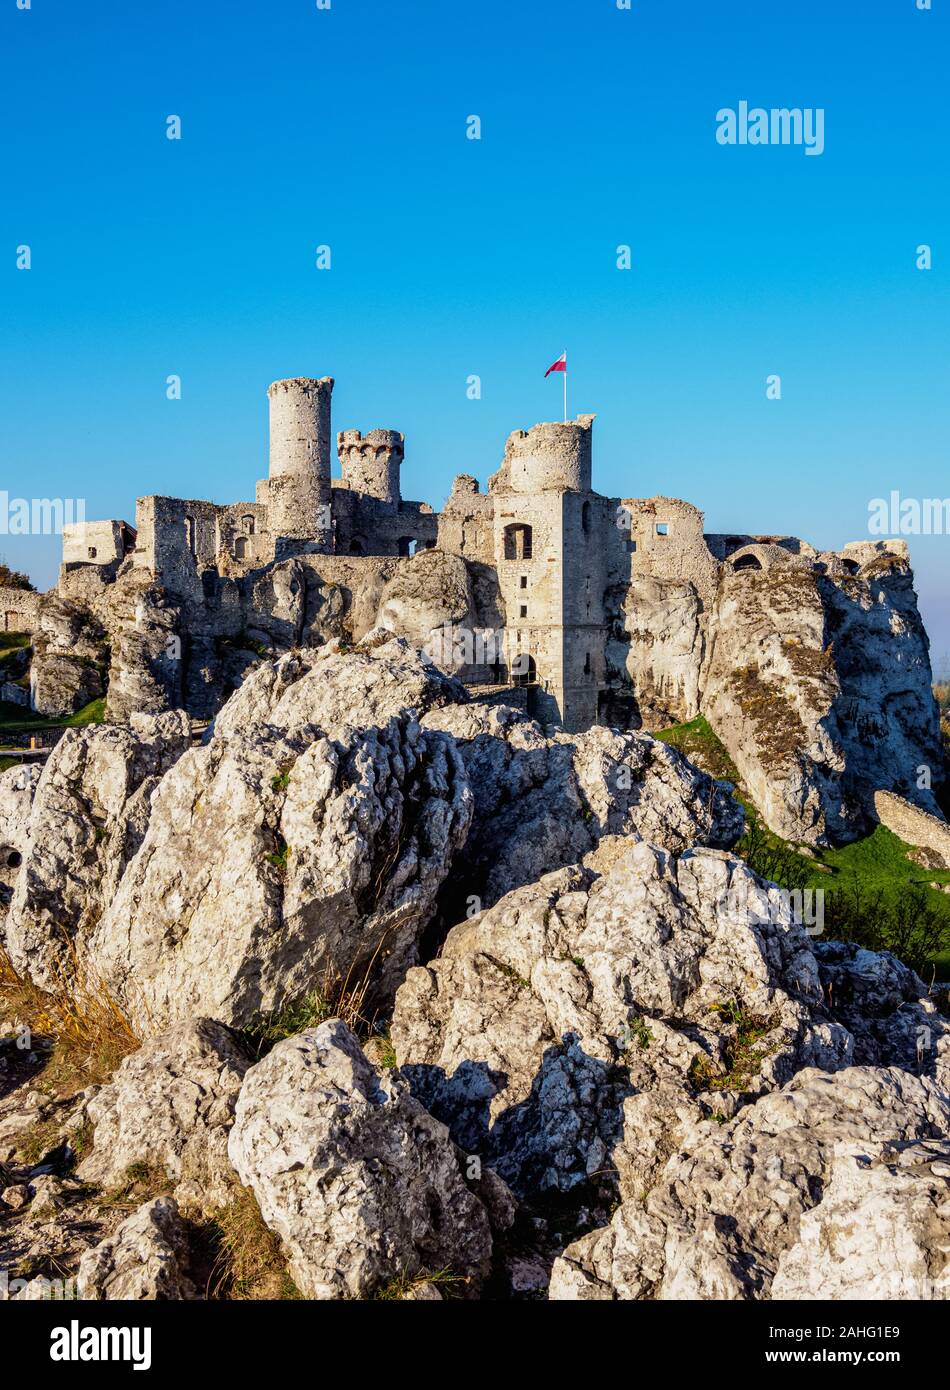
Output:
x=551 y=561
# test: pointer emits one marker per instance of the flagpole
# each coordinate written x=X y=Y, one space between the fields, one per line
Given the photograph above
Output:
x=565 y=388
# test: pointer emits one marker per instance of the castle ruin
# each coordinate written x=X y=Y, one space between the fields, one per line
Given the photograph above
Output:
x=554 y=563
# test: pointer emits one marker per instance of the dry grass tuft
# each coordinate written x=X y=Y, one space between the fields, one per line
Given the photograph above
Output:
x=87 y=1029
x=338 y=998
x=248 y=1262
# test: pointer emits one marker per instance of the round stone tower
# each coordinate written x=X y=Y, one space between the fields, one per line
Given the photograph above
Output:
x=552 y=455
x=298 y=497
x=371 y=462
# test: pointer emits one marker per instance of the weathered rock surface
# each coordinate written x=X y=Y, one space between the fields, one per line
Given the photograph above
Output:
x=147 y=1258
x=331 y=689
x=361 y=1184
x=87 y=819
x=886 y=1008
x=583 y=1025
x=723 y=1215
x=543 y=802
x=881 y=1230
x=70 y=653
x=17 y=789
x=428 y=598
x=171 y=1105
x=275 y=865
x=820 y=689
x=658 y=645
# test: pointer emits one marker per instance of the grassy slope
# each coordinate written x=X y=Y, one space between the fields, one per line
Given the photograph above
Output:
x=15 y=719
x=879 y=861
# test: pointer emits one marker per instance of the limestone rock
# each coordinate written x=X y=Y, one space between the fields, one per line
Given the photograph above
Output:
x=360 y=1183
x=886 y=1008
x=70 y=650
x=171 y=1105
x=332 y=688
x=278 y=864
x=658 y=645
x=583 y=1025
x=819 y=687
x=881 y=1230
x=542 y=802
x=17 y=789
x=87 y=819
x=147 y=1258
x=426 y=600
x=725 y=1212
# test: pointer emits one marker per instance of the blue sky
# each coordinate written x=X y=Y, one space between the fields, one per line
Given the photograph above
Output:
x=453 y=257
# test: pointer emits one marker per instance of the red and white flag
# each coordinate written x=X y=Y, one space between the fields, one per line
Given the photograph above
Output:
x=559 y=366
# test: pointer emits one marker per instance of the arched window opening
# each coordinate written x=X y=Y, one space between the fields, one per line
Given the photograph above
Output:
x=518 y=541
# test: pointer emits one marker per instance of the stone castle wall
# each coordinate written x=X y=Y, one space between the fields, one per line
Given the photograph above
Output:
x=912 y=825
x=19 y=610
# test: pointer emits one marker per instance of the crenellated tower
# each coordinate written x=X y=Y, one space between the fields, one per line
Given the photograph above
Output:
x=371 y=463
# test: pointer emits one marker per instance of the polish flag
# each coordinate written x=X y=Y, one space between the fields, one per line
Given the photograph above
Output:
x=559 y=366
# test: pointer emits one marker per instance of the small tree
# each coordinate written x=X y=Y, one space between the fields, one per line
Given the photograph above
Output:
x=14 y=579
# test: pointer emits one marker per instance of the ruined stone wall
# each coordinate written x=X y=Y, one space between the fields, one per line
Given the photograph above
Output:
x=466 y=525
x=177 y=540
x=666 y=541
x=243 y=533
x=366 y=526
x=912 y=825
x=588 y=524
x=531 y=587
x=19 y=610
x=96 y=542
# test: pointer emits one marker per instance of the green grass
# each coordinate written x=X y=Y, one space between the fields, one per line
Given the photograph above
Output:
x=697 y=742
x=266 y=1030
x=12 y=641
x=874 y=892
x=13 y=720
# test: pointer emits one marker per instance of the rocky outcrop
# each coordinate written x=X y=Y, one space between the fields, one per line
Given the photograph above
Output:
x=657 y=644
x=87 y=819
x=337 y=687
x=887 y=1010
x=770 y=686
x=819 y=687
x=147 y=1258
x=170 y=1105
x=277 y=864
x=426 y=598
x=728 y=1214
x=69 y=659
x=542 y=802
x=881 y=1230
x=582 y=1027
x=17 y=789
x=361 y=1184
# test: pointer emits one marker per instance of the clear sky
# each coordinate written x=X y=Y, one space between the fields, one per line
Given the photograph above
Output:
x=453 y=257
